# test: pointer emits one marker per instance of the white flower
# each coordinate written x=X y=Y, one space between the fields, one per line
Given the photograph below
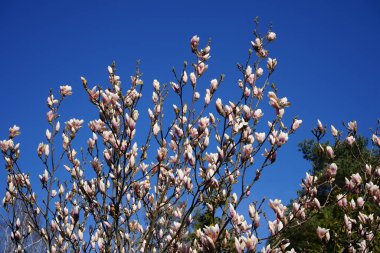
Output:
x=271 y=36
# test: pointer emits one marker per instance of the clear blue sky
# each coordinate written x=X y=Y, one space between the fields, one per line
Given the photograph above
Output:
x=328 y=53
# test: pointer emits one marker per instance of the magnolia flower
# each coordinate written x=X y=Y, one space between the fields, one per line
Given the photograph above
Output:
x=40 y=149
x=212 y=232
x=352 y=126
x=213 y=85
x=330 y=152
x=376 y=140
x=203 y=122
x=323 y=233
x=48 y=134
x=296 y=124
x=258 y=92
x=50 y=116
x=234 y=198
x=275 y=226
x=271 y=64
x=251 y=79
x=320 y=126
x=251 y=243
x=57 y=126
x=239 y=246
x=252 y=211
x=14 y=131
x=271 y=36
x=334 y=132
x=248 y=71
x=201 y=68
x=219 y=107
x=332 y=169
x=110 y=70
x=246 y=152
x=193 y=78
x=260 y=137
x=44 y=177
x=356 y=178
x=65 y=90
x=196 y=96
x=257 y=44
x=350 y=140
x=51 y=101
x=73 y=125
x=317 y=204
x=360 y=202
x=282 y=138
x=175 y=87
x=184 y=77
x=156 y=85
x=257 y=114
x=156 y=129
x=194 y=42
x=46 y=150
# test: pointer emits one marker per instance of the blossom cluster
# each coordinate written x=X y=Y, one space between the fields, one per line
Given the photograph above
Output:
x=125 y=193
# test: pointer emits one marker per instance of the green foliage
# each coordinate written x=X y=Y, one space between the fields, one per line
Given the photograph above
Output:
x=350 y=160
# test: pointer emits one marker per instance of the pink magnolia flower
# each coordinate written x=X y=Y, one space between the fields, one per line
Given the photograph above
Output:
x=257 y=44
x=239 y=245
x=376 y=140
x=201 y=68
x=257 y=114
x=296 y=124
x=203 y=123
x=50 y=116
x=350 y=140
x=282 y=138
x=334 y=132
x=213 y=85
x=219 y=107
x=207 y=97
x=247 y=92
x=251 y=243
x=332 y=169
x=275 y=226
x=352 y=126
x=356 y=178
x=212 y=232
x=323 y=233
x=330 y=152
x=44 y=177
x=194 y=42
x=271 y=64
x=320 y=126
x=248 y=71
x=259 y=72
x=65 y=90
x=260 y=137
x=51 y=101
x=73 y=125
x=175 y=87
x=156 y=129
x=360 y=202
x=184 y=77
x=48 y=134
x=271 y=36
x=193 y=78
x=14 y=131
x=156 y=85
x=258 y=92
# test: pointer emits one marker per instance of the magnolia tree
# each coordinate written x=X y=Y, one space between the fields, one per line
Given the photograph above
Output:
x=140 y=194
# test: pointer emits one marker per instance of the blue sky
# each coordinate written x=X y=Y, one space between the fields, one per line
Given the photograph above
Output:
x=328 y=55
